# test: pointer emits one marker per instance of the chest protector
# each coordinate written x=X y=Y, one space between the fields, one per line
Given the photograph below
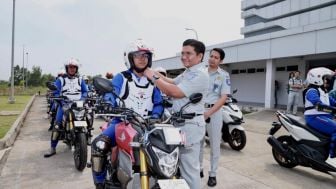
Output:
x=137 y=95
x=309 y=107
x=71 y=88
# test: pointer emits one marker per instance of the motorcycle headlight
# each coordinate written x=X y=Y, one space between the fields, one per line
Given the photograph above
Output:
x=79 y=114
x=167 y=162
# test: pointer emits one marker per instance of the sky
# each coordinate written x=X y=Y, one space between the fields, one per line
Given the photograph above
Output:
x=97 y=31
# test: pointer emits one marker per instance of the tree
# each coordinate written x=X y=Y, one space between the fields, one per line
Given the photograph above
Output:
x=34 y=78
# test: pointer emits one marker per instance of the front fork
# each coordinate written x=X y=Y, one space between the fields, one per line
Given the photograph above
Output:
x=143 y=171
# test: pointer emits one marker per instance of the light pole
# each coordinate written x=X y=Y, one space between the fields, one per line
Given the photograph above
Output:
x=23 y=69
x=27 y=69
x=193 y=31
x=11 y=99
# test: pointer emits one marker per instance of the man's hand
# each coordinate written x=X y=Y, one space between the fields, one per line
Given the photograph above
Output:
x=206 y=115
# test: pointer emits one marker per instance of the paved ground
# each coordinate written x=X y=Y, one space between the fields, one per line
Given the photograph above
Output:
x=253 y=167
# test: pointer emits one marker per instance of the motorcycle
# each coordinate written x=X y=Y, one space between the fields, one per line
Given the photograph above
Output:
x=303 y=145
x=147 y=153
x=75 y=131
x=232 y=131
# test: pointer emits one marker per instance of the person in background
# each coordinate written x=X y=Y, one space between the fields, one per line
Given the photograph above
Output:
x=295 y=86
x=219 y=88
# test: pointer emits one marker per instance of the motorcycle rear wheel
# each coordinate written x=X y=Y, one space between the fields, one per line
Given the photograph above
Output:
x=279 y=158
x=80 y=153
x=237 y=139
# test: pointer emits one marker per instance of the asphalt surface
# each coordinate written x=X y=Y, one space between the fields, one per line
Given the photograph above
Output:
x=253 y=167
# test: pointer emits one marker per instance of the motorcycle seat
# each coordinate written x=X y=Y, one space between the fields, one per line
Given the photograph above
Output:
x=301 y=123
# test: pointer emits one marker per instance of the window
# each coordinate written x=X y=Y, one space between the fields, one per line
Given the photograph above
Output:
x=251 y=70
x=292 y=68
x=279 y=69
x=260 y=69
x=242 y=71
x=235 y=72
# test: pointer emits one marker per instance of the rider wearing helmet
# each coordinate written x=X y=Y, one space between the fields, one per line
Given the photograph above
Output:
x=87 y=82
x=137 y=92
x=316 y=94
x=72 y=87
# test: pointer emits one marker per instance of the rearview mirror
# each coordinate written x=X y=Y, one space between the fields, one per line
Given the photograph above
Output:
x=102 y=85
x=195 y=98
x=51 y=86
x=234 y=91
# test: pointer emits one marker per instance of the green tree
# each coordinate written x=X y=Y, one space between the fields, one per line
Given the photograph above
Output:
x=34 y=78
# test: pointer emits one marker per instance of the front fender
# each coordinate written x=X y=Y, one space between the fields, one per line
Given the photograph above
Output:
x=239 y=127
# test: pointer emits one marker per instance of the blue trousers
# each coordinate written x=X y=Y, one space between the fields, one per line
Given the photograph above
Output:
x=326 y=125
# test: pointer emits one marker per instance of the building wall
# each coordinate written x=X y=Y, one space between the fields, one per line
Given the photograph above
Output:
x=266 y=16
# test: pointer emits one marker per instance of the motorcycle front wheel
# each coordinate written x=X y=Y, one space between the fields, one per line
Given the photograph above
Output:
x=237 y=139
x=279 y=158
x=80 y=153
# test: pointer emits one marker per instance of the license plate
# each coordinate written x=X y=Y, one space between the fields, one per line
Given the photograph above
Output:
x=173 y=184
x=80 y=123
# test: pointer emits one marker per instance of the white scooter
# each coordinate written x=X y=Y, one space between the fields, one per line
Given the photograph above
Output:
x=302 y=145
x=232 y=131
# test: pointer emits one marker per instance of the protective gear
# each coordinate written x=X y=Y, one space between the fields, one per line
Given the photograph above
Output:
x=50 y=153
x=71 y=88
x=315 y=75
x=137 y=46
x=309 y=106
x=100 y=146
x=161 y=71
x=135 y=97
x=72 y=62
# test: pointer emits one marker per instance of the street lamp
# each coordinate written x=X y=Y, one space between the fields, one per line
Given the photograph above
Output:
x=193 y=31
x=11 y=99
x=23 y=69
x=27 y=70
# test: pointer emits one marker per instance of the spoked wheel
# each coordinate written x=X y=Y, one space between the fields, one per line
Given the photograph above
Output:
x=237 y=139
x=80 y=153
x=279 y=158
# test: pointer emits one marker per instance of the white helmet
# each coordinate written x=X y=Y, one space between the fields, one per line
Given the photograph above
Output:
x=72 y=62
x=161 y=70
x=138 y=45
x=315 y=75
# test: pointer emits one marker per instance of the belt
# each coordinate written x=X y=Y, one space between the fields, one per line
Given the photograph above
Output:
x=208 y=105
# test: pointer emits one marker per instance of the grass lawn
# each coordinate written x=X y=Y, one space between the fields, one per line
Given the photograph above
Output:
x=7 y=121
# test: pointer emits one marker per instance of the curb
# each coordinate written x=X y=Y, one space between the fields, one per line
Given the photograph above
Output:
x=9 y=139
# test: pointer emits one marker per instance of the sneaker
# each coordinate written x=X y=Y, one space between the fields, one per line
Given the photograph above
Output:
x=201 y=174
x=50 y=153
x=212 y=181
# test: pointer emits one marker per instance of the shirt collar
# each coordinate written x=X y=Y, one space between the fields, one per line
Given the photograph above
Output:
x=195 y=67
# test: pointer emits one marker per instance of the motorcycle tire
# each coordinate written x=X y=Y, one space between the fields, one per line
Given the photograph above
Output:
x=237 y=139
x=286 y=141
x=80 y=153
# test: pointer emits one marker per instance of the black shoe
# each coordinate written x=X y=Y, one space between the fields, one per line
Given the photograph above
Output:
x=50 y=153
x=50 y=128
x=100 y=186
x=212 y=181
x=201 y=174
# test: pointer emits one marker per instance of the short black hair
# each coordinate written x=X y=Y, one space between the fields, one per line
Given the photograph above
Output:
x=220 y=51
x=199 y=46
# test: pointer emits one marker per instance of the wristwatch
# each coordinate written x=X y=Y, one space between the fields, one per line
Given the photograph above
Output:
x=155 y=77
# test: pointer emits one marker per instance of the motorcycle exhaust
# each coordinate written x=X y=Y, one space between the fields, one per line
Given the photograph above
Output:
x=276 y=145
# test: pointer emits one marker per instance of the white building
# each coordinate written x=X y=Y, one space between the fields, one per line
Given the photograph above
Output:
x=280 y=36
